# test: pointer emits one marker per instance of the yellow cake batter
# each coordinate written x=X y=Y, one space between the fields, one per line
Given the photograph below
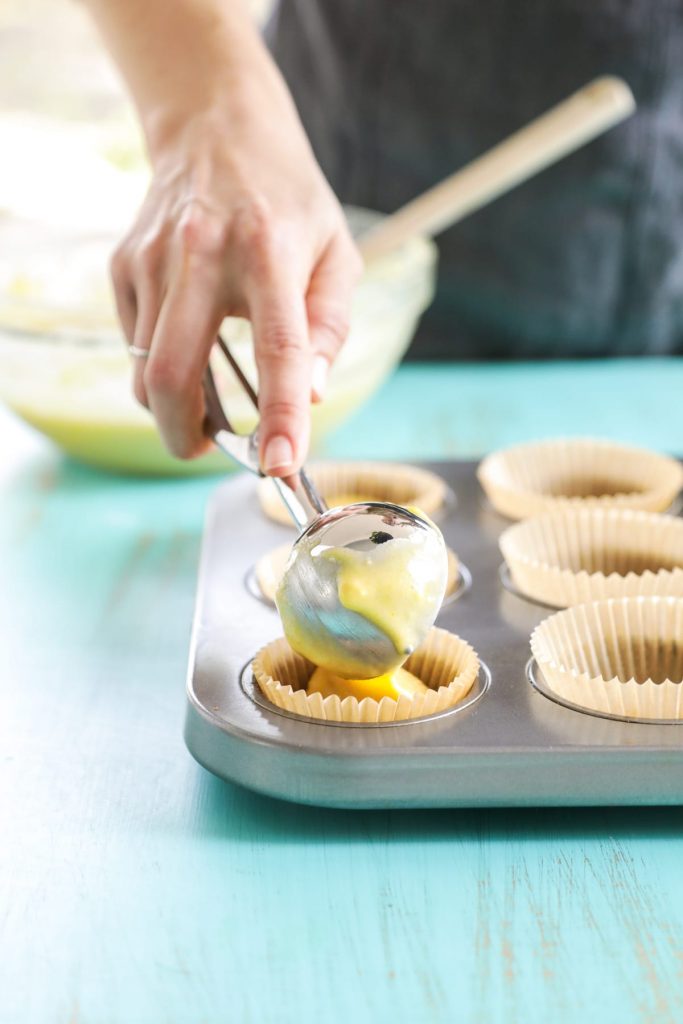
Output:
x=396 y=684
x=389 y=588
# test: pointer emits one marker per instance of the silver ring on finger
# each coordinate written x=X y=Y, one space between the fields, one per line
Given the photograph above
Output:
x=137 y=352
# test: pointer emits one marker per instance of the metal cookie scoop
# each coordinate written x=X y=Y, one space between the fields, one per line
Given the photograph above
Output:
x=308 y=598
x=335 y=636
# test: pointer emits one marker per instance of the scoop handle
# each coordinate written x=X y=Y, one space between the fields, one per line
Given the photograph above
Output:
x=298 y=492
x=301 y=499
x=583 y=116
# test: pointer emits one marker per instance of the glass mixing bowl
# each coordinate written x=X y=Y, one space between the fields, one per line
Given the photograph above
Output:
x=65 y=370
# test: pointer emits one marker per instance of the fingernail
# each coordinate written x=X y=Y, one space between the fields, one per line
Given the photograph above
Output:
x=279 y=454
x=319 y=377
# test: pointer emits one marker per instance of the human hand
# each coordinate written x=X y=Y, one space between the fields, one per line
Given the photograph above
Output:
x=238 y=221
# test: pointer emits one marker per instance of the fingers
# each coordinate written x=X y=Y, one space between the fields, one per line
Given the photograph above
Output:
x=283 y=357
x=184 y=333
x=146 y=262
x=328 y=306
x=172 y=293
x=148 y=303
x=124 y=293
x=136 y=290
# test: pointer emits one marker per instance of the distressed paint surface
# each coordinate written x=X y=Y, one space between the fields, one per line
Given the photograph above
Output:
x=136 y=889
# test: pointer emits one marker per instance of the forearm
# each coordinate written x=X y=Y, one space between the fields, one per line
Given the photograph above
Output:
x=188 y=58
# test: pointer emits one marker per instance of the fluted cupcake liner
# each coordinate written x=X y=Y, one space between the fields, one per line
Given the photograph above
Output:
x=444 y=662
x=342 y=483
x=531 y=479
x=622 y=656
x=579 y=555
x=269 y=570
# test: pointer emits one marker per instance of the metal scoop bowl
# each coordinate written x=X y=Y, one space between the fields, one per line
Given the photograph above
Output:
x=344 y=641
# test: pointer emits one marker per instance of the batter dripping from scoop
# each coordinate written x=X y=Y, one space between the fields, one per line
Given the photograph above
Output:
x=391 y=586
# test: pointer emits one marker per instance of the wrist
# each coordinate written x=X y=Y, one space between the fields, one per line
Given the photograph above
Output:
x=179 y=127
x=229 y=113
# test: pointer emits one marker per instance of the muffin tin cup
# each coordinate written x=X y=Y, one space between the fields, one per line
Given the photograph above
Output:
x=444 y=662
x=620 y=657
x=531 y=479
x=580 y=555
x=342 y=483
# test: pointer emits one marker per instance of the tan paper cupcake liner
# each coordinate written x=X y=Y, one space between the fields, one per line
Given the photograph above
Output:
x=622 y=656
x=447 y=664
x=346 y=482
x=531 y=479
x=270 y=567
x=593 y=554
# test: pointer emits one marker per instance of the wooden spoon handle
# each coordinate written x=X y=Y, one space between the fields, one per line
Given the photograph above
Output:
x=569 y=125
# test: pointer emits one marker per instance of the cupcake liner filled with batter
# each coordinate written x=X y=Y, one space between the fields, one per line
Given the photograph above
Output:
x=444 y=663
x=345 y=483
x=579 y=555
x=531 y=479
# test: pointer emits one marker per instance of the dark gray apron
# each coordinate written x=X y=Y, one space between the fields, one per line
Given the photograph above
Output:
x=584 y=260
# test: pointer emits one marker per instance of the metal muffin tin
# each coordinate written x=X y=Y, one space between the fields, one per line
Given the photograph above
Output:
x=509 y=743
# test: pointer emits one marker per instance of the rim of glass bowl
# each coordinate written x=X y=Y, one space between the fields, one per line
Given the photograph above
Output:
x=93 y=326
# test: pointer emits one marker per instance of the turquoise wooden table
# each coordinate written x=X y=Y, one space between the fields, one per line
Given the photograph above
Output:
x=137 y=889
